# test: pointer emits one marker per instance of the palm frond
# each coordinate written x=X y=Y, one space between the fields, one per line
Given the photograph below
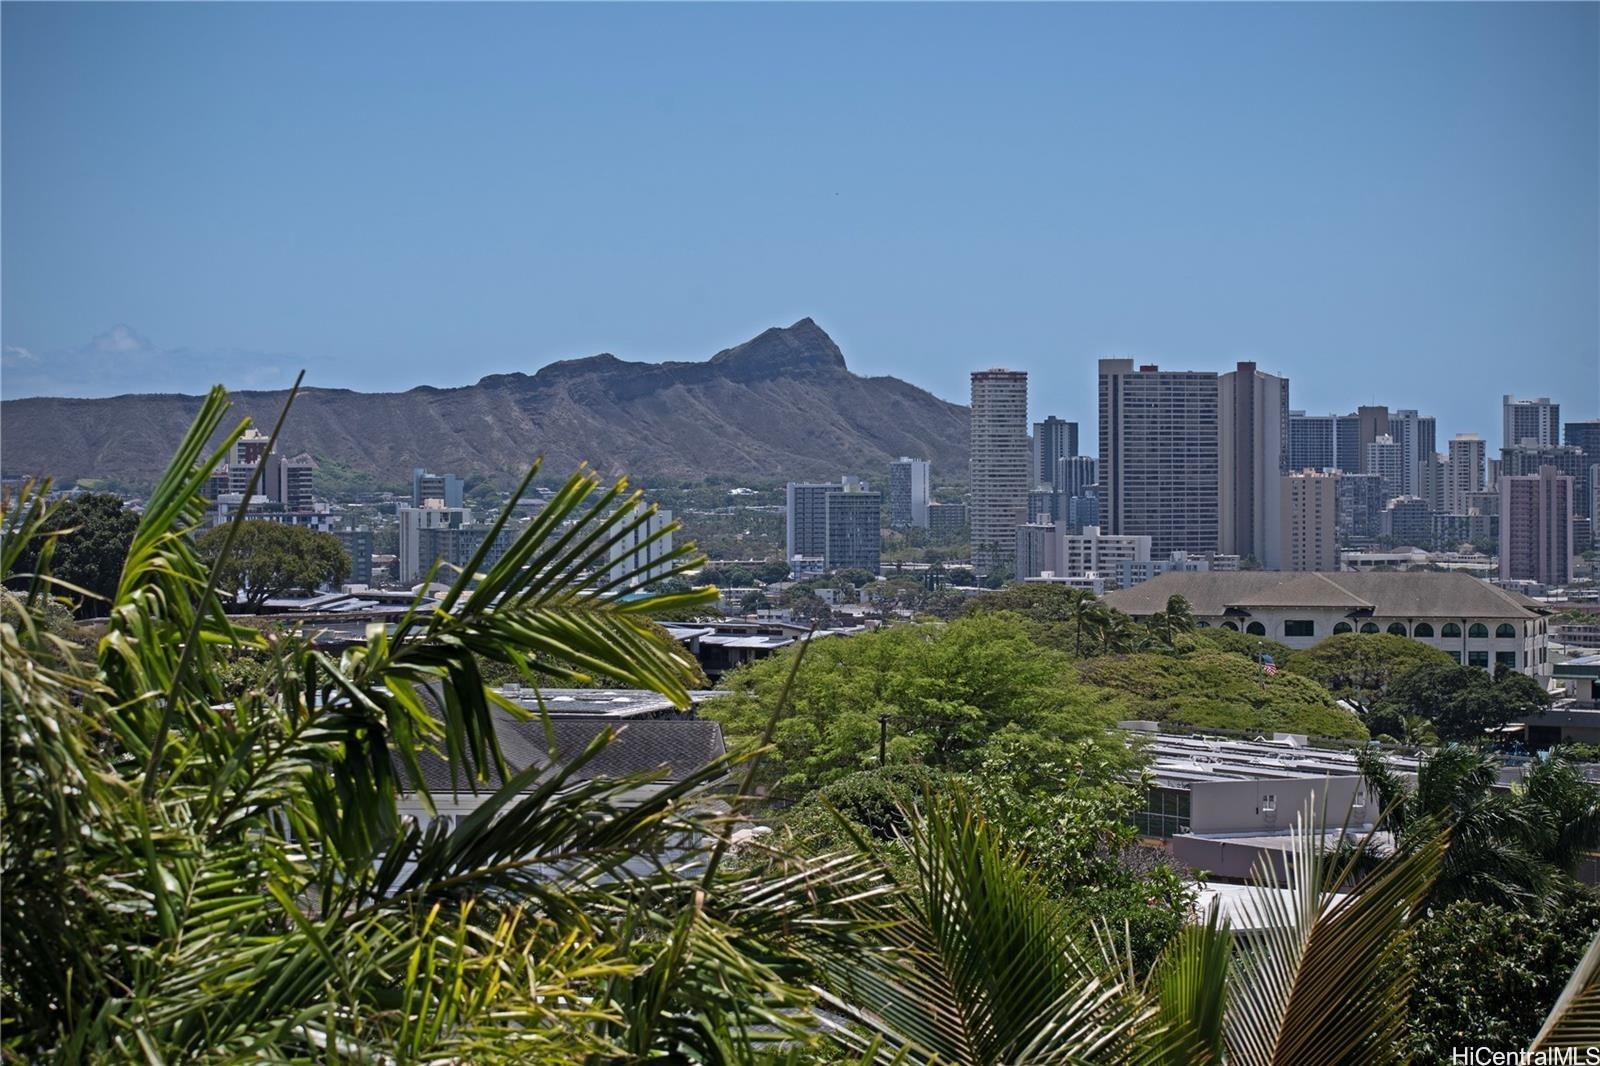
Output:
x=1574 y=1020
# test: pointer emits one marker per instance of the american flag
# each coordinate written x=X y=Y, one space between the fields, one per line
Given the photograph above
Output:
x=1269 y=666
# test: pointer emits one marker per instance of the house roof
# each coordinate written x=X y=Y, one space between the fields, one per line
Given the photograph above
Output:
x=1390 y=595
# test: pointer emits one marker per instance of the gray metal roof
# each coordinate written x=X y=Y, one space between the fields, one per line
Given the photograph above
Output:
x=1388 y=595
x=1180 y=761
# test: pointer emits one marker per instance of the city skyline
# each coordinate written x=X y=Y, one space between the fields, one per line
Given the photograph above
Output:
x=1193 y=188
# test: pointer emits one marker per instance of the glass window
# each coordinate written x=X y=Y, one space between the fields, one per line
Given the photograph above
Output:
x=1507 y=659
x=1202 y=624
x=1477 y=630
x=1397 y=629
x=1456 y=655
x=1422 y=629
x=1256 y=629
x=1450 y=630
x=1230 y=625
x=1341 y=627
x=1299 y=627
x=1479 y=659
x=1369 y=627
x=1504 y=630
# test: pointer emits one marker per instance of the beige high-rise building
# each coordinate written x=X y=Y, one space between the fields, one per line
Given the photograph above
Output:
x=1310 y=509
x=1463 y=471
x=1536 y=527
x=1000 y=470
x=1253 y=427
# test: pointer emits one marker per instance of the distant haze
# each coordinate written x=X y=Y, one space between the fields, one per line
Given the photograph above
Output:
x=1389 y=203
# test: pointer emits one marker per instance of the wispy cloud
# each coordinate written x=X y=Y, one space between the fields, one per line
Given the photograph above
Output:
x=121 y=360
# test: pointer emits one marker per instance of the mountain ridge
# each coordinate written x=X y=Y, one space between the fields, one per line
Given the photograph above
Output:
x=782 y=405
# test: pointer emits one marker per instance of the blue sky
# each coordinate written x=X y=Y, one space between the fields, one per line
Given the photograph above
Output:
x=1391 y=203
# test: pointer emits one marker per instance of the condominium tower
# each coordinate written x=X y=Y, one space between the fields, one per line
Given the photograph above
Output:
x=1053 y=440
x=908 y=493
x=1538 y=421
x=1536 y=527
x=1253 y=420
x=1000 y=467
x=1159 y=455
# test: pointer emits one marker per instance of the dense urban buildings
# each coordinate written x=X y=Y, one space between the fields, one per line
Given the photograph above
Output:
x=1049 y=549
x=909 y=493
x=1159 y=455
x=999 y=467
x=446 y=488
x=1253 y=426
x=1053 y=440
x=1536 y=527
x=833 y=525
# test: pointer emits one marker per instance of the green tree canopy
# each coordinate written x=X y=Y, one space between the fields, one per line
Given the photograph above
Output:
x=271 y=558
x=1362 y=666
x=1218 y=690
x=1461 y=701
x=91 y=555
x=949 y=691
x=1243 y=644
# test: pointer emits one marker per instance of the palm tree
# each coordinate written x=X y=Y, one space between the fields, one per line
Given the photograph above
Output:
x=1085 y=613
x=186 y=877
x=1505 y=847
x=1180 y=616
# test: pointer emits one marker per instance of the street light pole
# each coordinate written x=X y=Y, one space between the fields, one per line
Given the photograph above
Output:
x=883 y=739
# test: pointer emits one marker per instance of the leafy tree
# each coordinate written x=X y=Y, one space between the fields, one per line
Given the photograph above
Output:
x=1463 y=702
x=1361 y=666
x=93 y=531
x=1244 y=644
x=1487 y=975
x=271 y=558
x=1218 y=690
x=950 y=690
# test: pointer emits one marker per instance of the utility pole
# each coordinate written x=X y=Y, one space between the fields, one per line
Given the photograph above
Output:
x=883 y=739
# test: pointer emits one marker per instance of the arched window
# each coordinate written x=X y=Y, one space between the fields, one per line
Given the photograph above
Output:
x=1369 y=627
x=1202 y=625
x=1450 y=630
x=1505 y=629
x=1477 y=630
x=1341 y=627
x=1230 y=625
x=1422 y=629
x=1256 y=629
x=1397 y=629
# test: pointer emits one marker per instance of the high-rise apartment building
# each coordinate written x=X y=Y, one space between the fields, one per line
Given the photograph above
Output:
x=1076 y=474
x=1538 y=421
x=640 y=555
x=1409 y=520
x=1526 y=460
x=908 y=493
x=947 y=521
x=1585 y=435
x=1047 y=547
x=854 y=537
x=1323 y=442
x=1159 y=445
x=806 y=518
x=1463 y=471
x=294 y=477
x=1372 y=422
x=1310 y=503
x=1253 y=422
x=1361 y=503
x=834 y=525
x=1536 y=526
x=1053 y=440
x=1384 y=458
x=415 y=556
x=1416 y=434
x=1000 y=467
x=358 y=545
x=446 y=488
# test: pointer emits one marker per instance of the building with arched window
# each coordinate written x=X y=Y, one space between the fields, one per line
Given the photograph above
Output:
x=1477 y=623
